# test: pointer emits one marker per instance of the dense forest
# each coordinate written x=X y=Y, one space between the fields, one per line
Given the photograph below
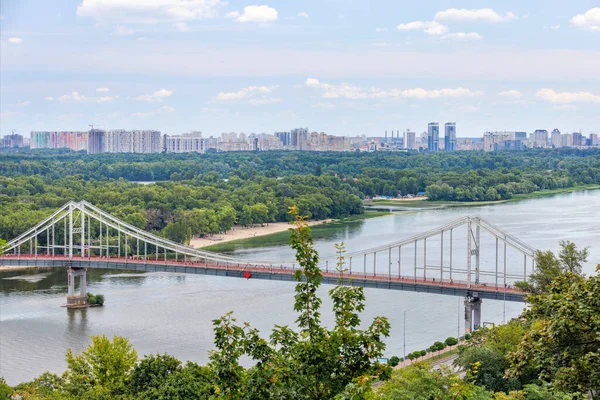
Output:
x=205 y=194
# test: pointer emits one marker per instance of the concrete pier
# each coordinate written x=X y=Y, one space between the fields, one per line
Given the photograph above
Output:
x=472 y=312
x=77 y=299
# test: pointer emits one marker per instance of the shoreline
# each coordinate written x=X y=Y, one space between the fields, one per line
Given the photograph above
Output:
x=239 y=233
x=432 y=205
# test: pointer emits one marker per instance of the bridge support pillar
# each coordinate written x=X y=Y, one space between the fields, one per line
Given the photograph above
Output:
x=77 y=299
x=472 y=312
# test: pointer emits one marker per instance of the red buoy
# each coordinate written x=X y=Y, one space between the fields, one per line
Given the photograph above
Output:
x=247 y=274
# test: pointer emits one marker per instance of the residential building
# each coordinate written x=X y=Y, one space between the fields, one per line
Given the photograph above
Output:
x=493 y=141
x=433 y=136
x=410 y=140
x=185 y=143
x=75 y=141
x=13 y=140
x=284 y=137
x=122 y=141
x=555 y=138
x=450 y=136
x=96 y=141
x=539 y=138
x=578 y=139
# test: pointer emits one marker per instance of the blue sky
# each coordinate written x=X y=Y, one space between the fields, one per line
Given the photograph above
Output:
x=342 y=67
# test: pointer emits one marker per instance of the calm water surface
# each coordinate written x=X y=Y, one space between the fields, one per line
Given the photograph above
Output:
x=172 y=313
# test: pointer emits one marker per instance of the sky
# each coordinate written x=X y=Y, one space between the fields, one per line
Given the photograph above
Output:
x=344 y=67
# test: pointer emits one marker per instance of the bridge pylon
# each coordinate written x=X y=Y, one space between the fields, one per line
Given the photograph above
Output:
x=472 y=312
x=77 y=299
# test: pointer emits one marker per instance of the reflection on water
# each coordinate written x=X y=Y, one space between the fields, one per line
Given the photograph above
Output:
x=172 y=313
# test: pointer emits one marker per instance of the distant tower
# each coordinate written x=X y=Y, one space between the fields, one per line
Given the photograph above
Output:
x=433 y=136
x=450 y=136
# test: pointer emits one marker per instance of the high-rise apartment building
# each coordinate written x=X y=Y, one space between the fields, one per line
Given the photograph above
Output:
x=450 y=136
x=577 y=139
x=555 y=138
x=539 y=138
x=433 y=136
x=14 y=140
x=284 y=137
x=410 y=140
x=494 y=141
x=122 y=141
x=186 y=143
x=298 y=138
x=75 y=141
x=96 y=141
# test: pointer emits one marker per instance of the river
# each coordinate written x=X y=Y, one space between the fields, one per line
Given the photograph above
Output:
x=172 y=313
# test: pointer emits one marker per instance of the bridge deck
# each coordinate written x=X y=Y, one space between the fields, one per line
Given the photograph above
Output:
x=282 y=273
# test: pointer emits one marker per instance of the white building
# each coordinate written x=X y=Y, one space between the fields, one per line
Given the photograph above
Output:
x=122 y=141
x=186 y=143
x=410 y=141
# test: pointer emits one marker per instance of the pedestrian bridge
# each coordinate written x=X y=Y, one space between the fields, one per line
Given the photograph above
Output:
x=451 y=259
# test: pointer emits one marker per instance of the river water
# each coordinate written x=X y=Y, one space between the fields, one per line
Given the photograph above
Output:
x=172 y=313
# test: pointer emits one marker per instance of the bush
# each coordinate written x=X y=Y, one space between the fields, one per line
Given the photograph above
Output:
x=450 y=341
x=438 y=346
x=393 y=361
x=467 y=336
x=95 y=299
x=423 y=353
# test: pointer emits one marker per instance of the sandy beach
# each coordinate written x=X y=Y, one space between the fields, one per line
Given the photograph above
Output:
x=244 y=233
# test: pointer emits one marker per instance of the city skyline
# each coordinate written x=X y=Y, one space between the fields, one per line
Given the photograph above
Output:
x=348 y=67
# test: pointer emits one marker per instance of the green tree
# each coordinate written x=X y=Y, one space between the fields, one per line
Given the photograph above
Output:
x=563 y=341
x=420 y=382
x=451 y=341
x=314 y=363
x=102 y=370
x=548 y=267
x=151 y=373
x=192 y=382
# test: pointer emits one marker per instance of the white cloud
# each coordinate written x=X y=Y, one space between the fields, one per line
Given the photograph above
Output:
x=15 y=40
x=74 y=96
x=264 y=100
x=380 y=44
x=324 y=106
x=380 y=29
x=303 y=14
x=255 y=93
x=69 y=116
x=7 y=114
x=429 y=27
x=160 y=111
x=590 y=20
x=104 y=99
x=466 y=108
x=181 y=27
x=155 y=11
x=348 y=91
x=515 y=94
x=463 y=36
x=554 y=27
x=121 y=30
x=567 y=97
x=49 y=98
x=341 y=16
x=102 y=89
x=565 y=107
x=156 y=97
x=254 y=14
x=22 y=104
x=473 y=15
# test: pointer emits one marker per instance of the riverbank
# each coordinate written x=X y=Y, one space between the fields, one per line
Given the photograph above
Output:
x=282 y=236
x=426 y=204
x=240 y=233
